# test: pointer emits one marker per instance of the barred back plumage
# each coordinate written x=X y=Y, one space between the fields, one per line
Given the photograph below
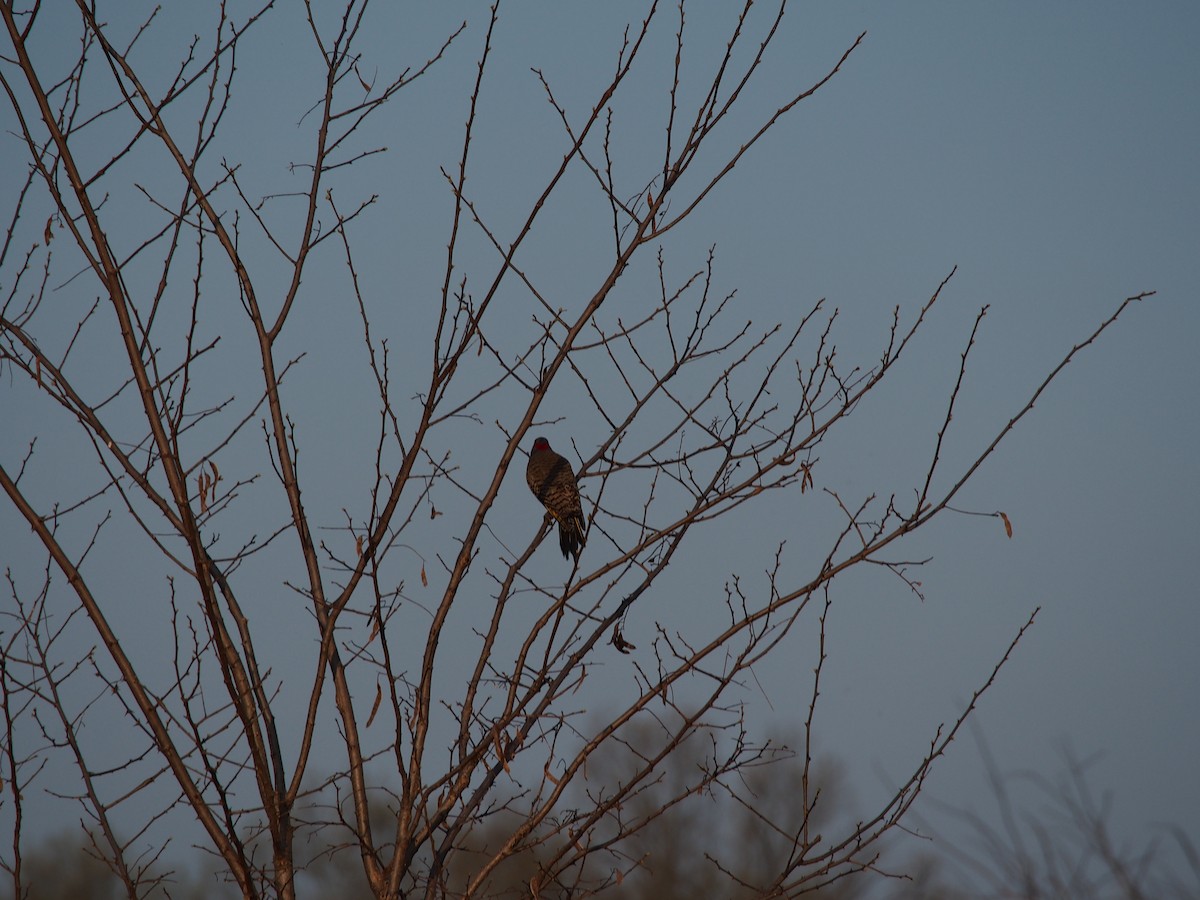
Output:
x=552 y=481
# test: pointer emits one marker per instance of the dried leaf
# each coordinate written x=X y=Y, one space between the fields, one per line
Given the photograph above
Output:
x=500 y=754
x=374 y=628
x=375 y=705
x=358 y=546
x=618 y=641
x=1007 y=524
x=48 y=234
x=424 y=579
x=216 y=472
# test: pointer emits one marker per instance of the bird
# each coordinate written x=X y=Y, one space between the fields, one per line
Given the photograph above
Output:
x=552 y=481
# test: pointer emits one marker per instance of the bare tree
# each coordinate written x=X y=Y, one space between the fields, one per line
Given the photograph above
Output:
x=1054 y=837
x=148 y=647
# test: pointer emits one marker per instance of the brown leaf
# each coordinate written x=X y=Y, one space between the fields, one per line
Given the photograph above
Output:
x=424 y=580
x=216 y=472
x=1007 y=524
x=358 y=546
x=48 y=234
x=806 y=479
x=500 y=754
x=618 y=641
x=375 y=705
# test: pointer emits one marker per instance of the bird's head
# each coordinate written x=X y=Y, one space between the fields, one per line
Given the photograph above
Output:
x=540 y=444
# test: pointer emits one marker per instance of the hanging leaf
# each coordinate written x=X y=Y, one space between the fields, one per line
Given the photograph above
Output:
x=1007 y=524
x=375 y=705
x=500 y=754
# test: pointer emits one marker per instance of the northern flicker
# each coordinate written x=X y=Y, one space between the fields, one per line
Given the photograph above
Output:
x=552 y=481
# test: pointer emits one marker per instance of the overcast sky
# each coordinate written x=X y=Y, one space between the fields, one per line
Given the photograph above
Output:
x=1049 y=151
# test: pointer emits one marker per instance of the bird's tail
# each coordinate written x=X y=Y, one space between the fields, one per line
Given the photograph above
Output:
x=572 y=535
